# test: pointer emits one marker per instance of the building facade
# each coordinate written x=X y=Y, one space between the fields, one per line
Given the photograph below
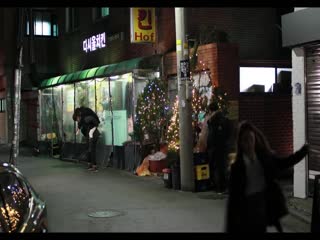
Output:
x=59 y=48
x=15 y=22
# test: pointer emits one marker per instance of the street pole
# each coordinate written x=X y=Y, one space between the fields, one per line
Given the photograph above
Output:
x=185 y=110
x=16 y=122
x=17 y=95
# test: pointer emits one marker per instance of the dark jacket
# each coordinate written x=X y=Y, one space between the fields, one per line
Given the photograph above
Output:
x=275 y=200
x=88 y=120
x=218 y=132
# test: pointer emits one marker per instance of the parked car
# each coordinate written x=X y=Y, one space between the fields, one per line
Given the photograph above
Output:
x=21 y=209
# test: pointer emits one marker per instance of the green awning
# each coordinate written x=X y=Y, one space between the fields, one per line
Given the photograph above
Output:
x=103 y=71
x=62 y=79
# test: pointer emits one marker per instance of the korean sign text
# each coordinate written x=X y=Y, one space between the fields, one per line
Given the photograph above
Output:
x=94 y=42
x=143 y=25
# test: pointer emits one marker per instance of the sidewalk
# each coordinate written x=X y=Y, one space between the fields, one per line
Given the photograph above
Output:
x=300 y=210
x=298 y=207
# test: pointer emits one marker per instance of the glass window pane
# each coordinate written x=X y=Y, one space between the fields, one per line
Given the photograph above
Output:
x=38 y=24
x=57 y=113
x=250 y=76
x=46 y=113
x=68 y=109
x=15 y=198
x=121 y=89
x=103 y=106
x=46 y=24
x=283 y=74
x=85 y=97
x=104 y=11
x=27 y=27
x=55 y=30
x=4 y=225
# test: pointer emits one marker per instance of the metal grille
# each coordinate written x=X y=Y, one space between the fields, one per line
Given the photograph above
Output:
x=313 y=105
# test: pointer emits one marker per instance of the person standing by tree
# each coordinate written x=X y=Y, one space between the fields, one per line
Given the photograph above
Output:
x=88 y=122
x=218 y=147
x=255 y=198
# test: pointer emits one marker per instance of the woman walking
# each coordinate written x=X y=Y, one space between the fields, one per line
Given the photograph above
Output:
x=255 y=198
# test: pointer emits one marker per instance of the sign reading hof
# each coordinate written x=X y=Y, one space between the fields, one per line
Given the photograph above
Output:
x=143 y=25
x=184 y=69
x=93 y=43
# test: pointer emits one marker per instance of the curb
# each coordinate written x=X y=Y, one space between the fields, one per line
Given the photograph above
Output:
x=299 y=216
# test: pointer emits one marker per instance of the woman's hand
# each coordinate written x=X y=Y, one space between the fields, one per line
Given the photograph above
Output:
x=305 y=149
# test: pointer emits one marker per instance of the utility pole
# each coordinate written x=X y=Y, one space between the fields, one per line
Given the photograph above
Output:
x=17 y=89
x=185 y=109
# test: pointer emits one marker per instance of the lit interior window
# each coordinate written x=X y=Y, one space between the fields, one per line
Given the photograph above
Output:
x=43 y=25
x=46 y=26
x=256 y=76
x=55 y=30
x=28 y=28
x=104 y=11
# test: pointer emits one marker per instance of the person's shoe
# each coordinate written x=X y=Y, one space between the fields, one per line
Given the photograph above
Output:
x=222 y=192
x=93 y=169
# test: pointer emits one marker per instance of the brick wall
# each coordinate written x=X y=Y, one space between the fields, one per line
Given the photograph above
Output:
x=253 y=29
x=272 y=114
x=221 y=60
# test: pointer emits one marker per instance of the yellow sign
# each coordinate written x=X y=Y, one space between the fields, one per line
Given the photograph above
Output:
x=143 y=25
x=202 y=172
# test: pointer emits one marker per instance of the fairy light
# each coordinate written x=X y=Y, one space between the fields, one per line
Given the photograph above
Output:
x=152 y=108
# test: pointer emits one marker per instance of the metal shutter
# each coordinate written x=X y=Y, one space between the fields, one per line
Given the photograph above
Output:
x=313 y=105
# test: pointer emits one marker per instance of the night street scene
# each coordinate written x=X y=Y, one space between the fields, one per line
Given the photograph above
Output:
x=159 y=119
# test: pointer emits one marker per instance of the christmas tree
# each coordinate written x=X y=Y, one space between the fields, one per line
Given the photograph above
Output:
x=152 y=112
x=202 y=96
x=173 y=129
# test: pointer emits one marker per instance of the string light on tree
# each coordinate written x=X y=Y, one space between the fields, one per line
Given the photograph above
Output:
x=152 y=112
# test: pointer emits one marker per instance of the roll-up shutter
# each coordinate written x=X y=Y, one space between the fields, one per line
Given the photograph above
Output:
x=313 y=105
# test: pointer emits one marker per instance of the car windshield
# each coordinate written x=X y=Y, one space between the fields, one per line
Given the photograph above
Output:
x=15 y=201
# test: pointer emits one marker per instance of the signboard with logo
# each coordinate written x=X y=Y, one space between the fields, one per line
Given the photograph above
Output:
x=143 y=25
x=94 y=43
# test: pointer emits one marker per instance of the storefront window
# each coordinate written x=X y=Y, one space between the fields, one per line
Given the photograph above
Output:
x=57 y=109
x=85 y=97
x=46 y=113
x=68 y=108
x=112 y=98
x=121 y=89
x=103 y=106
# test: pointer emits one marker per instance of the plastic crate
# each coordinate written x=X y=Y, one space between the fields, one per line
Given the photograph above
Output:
x=157 y=166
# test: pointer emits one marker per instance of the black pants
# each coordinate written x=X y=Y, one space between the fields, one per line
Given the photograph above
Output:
x=92 y=147
x=218 y=169
x=255 y=211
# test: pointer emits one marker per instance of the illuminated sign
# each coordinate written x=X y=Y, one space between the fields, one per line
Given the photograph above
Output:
x=93 y=43
x=143 y=25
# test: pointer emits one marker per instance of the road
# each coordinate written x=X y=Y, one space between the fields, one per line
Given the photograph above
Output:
x=144 y=204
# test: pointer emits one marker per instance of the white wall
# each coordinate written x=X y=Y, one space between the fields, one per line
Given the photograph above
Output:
x=300 y=178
